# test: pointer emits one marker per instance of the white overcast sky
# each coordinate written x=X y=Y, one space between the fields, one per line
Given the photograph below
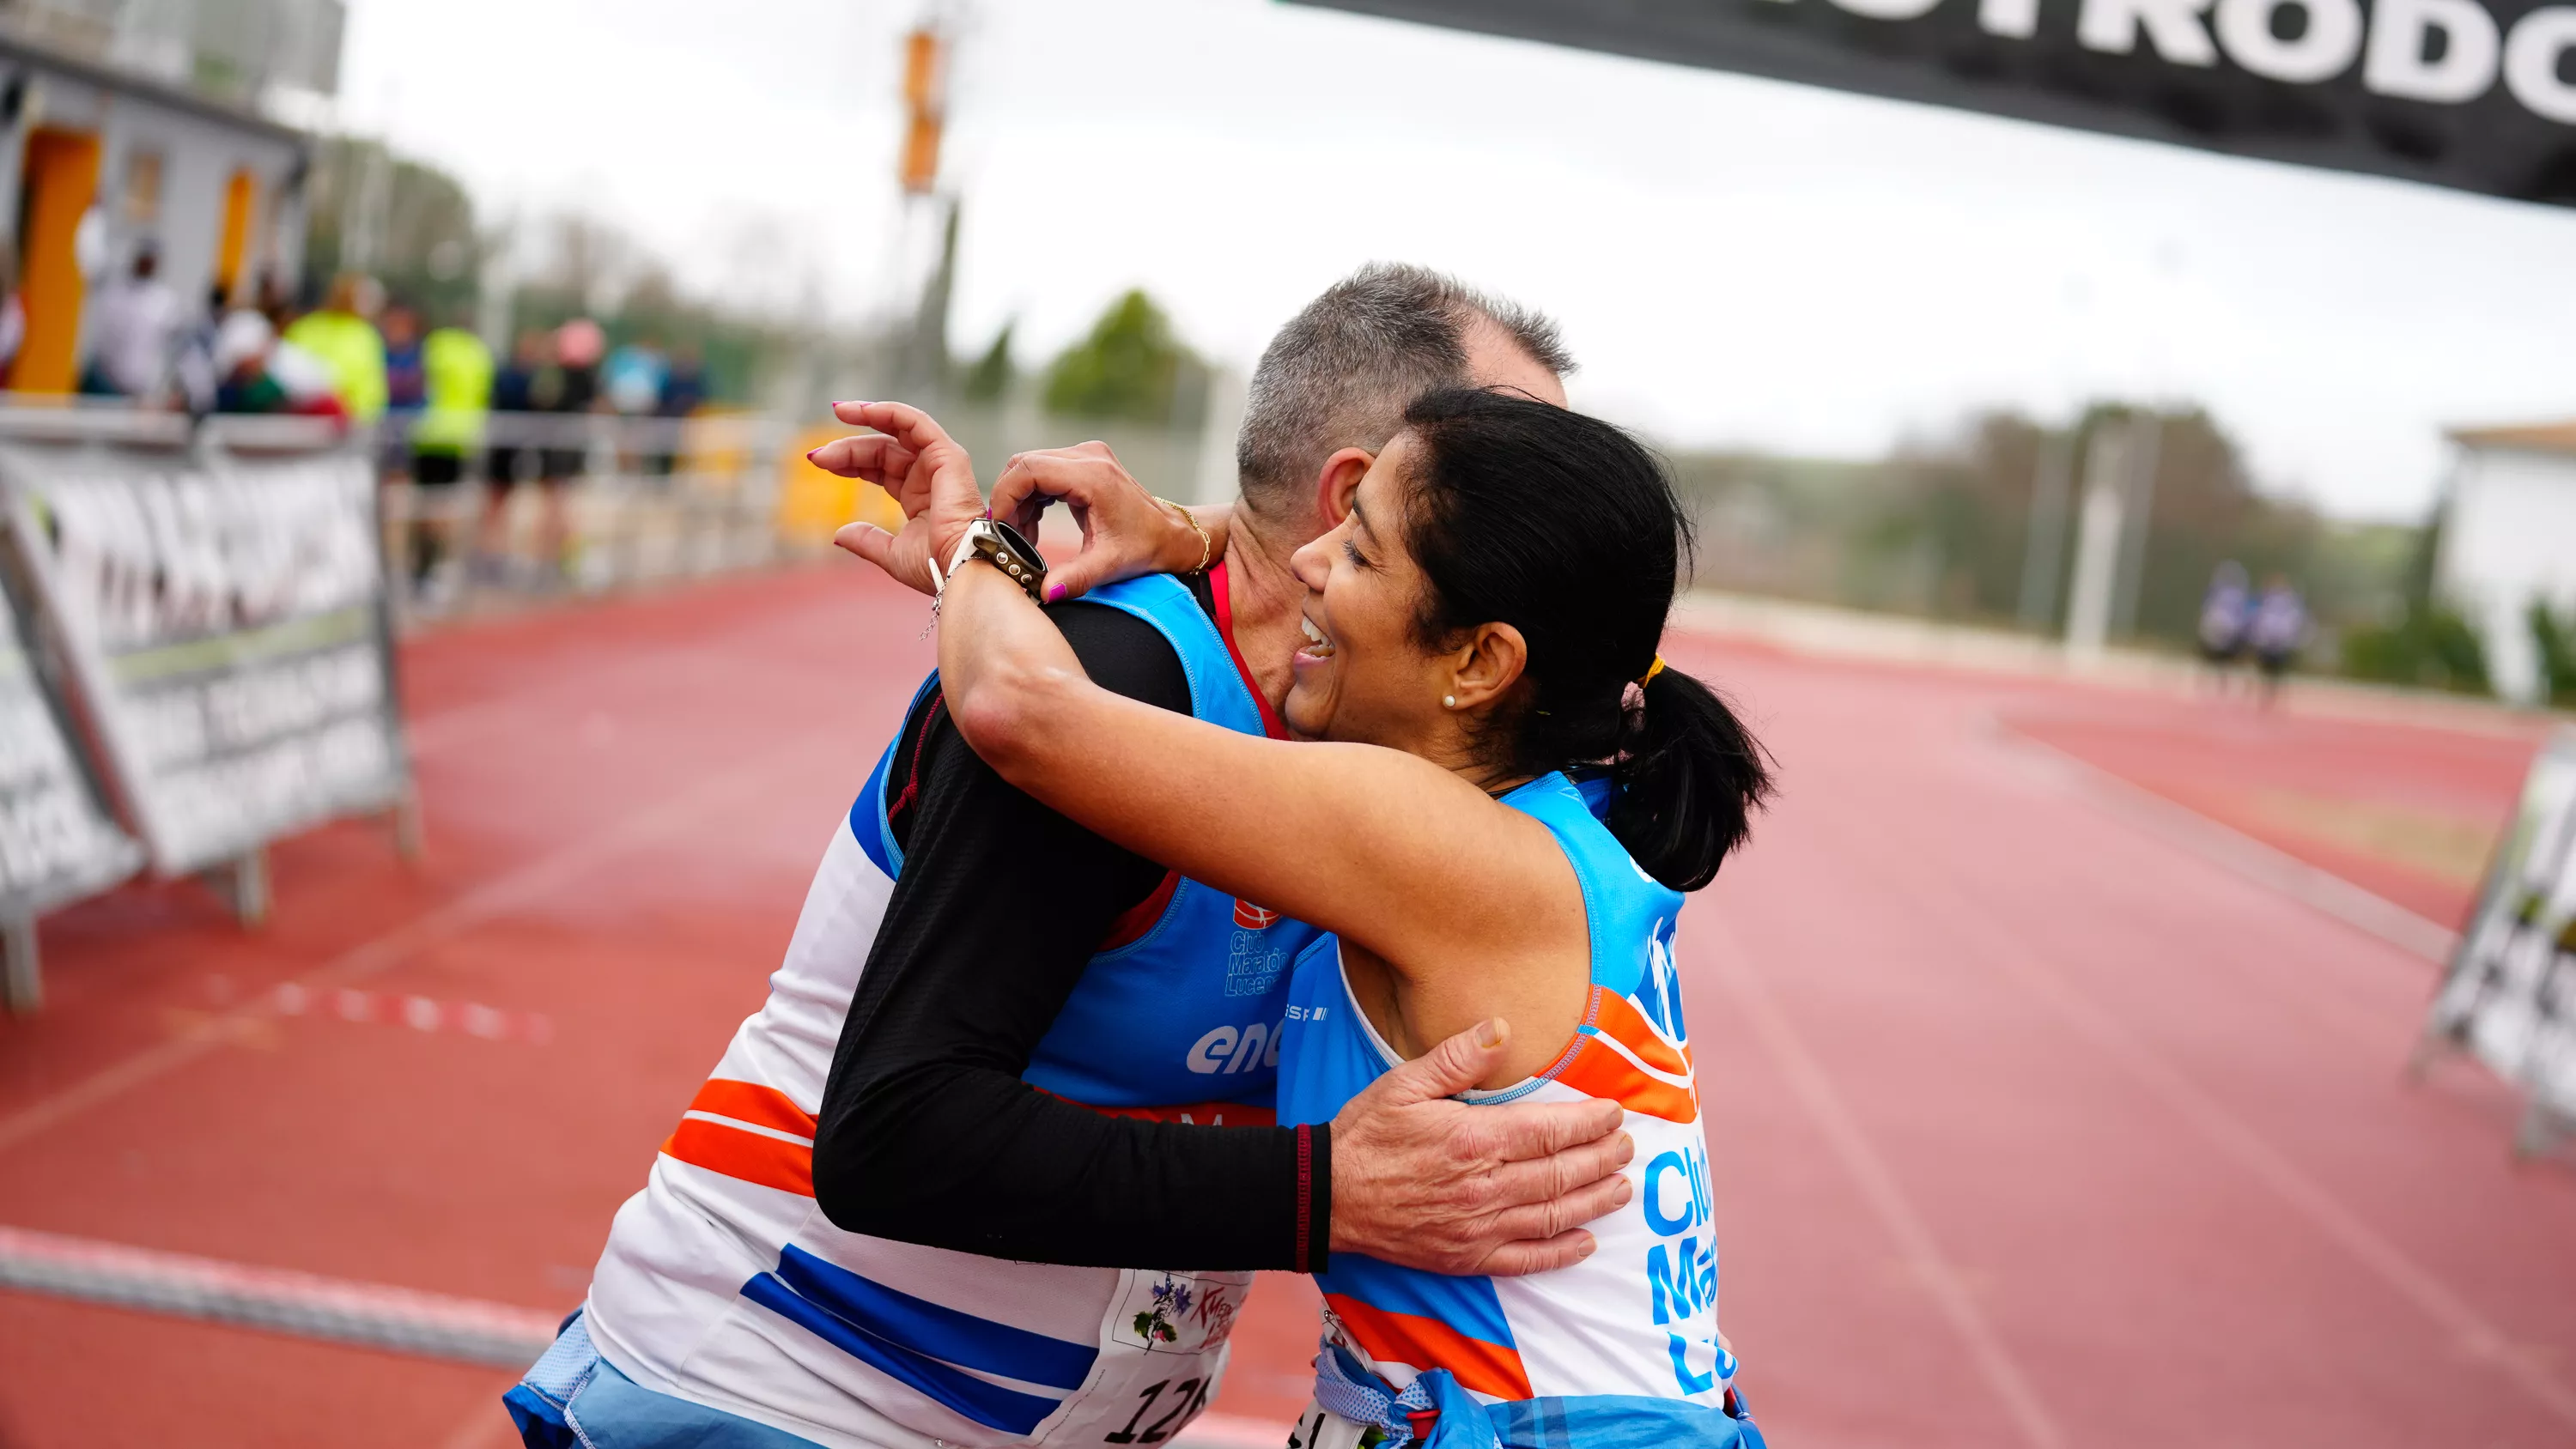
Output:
x=1736 y=261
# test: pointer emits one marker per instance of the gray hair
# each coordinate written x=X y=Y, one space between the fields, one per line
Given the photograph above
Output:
x=1340 y=374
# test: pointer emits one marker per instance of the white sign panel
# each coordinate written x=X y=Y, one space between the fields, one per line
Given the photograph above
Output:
x=2511 y=993
x=57 y=842
x=225 y=620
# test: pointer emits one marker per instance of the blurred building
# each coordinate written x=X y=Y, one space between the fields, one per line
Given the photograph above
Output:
x=177 y=123
x=2508 y=538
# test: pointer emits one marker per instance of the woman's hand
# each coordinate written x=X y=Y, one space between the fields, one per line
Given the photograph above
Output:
x=919 y=466
x=1125 y=530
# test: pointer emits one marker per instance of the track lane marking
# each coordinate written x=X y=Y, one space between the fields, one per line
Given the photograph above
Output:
x=525 y=885
x=2261 y=862
x=1879 y=1187
x=2216 y=1123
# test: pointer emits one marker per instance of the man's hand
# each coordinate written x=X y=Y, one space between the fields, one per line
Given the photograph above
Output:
x=1125 y=532
x=1427 y=1182
x=919 y=466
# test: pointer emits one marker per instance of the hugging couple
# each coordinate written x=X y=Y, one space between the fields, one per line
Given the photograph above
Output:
x=1288 y=885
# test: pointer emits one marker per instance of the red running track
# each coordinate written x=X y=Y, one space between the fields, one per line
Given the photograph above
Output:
x=2031 y=1127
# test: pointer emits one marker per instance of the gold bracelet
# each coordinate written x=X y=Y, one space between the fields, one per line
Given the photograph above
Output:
x=1207 y=546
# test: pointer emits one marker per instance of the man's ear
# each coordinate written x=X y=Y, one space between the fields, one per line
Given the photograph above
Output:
x=1335 y=482
x=1488 y=665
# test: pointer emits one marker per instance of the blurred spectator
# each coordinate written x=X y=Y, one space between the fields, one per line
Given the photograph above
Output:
x=272 y=300
x=634 y=377
x=2278 y=632
x=2225 y=614
x=406 y=387
x=684 y=386
x=514 y=391
x=684 y=391
x=457 y=384
x=193 y=369
x=348 y=345
x=136 y=327
x=258 y=374
x=569 y=388
x=13 y=312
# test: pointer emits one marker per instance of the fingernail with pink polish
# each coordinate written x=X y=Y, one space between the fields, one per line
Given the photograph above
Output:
x=1055 y=593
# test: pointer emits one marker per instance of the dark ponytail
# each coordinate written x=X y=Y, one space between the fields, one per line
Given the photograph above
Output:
x=1567 y=529
x=1690 y=777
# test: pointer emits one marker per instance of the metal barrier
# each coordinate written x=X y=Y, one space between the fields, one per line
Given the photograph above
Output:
x=540 y=504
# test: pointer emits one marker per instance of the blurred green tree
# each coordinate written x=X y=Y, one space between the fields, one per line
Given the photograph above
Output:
x=1130 y=366
x=430 y=255
x=2553 y=639
x=990 y=377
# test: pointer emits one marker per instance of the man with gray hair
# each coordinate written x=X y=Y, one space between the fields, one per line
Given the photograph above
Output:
x=1049 y=1060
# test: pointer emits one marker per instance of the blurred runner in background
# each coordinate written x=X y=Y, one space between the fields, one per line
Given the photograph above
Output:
x=570 y=389
x=2278 y=632
x=134 y=332
x=456 y=377
x=2225 y=611
x=514 y=391
x=348 y=346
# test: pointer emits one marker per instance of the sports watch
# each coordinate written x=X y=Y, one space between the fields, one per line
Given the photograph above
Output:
x=998 y=544
x=1001 y=545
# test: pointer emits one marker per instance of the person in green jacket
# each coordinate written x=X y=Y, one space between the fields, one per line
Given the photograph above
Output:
x=457 y=368
x=340 y=335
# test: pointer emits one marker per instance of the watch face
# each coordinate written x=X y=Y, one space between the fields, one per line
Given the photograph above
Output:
x=1011 y=536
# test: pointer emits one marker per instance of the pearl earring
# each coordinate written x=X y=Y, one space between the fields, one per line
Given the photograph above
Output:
x=1449 y=701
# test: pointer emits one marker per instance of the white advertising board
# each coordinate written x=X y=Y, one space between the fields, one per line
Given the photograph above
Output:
x=2510 y=995
x=224 y=619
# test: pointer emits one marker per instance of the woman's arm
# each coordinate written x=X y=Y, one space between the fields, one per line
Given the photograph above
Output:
x=1471 y=904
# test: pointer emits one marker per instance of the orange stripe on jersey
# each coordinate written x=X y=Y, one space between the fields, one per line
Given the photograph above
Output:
x=1598 y=1071
x=1616 y=1018
x=758 y=1105
x=1198 y=1114
x=1427 y=1343
x=747 y=1156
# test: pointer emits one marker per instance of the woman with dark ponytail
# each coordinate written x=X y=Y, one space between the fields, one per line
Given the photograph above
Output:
x=1515 y=793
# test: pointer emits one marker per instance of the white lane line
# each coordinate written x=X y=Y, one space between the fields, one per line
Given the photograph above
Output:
x=2218 y=1124
x=1879 y=1188
x=528 y=885
x=307 y=1305
x=2234 y=850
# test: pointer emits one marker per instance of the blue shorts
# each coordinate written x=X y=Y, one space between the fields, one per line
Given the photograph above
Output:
x=574 y=1399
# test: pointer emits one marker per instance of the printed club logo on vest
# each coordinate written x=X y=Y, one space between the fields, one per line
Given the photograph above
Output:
x=1251 y=917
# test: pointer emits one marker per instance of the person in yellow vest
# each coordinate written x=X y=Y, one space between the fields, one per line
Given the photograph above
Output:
x=348 y=345
x=457 y=370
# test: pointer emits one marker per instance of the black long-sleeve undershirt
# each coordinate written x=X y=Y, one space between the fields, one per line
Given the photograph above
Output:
x=928 y=1135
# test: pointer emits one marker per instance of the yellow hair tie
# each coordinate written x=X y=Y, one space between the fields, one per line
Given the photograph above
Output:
x=1649 y=676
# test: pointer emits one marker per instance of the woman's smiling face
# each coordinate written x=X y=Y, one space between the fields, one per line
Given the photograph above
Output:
x=1362 y=675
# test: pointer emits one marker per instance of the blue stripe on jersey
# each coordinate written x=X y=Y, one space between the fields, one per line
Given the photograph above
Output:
x=941 y=1332
x=1468 y=1305
x=868 y=812
x=988 y=1404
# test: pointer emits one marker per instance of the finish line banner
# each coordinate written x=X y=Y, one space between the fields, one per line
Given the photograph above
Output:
x=2474 y=94
x=224 y=618
x=2510 y=996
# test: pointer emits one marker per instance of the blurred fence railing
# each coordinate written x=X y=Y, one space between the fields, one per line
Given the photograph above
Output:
x=523 y=504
